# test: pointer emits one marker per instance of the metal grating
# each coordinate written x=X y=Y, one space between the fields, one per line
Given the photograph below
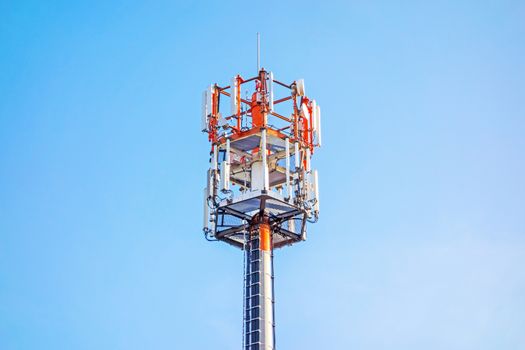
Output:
x=287 y=220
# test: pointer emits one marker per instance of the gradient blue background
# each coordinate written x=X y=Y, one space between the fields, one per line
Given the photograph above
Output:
x=421 y=242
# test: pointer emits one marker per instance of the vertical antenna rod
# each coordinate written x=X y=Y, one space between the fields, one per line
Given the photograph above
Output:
x=258 y=52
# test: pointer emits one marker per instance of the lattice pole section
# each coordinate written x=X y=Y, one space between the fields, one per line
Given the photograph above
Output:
x=259 y=324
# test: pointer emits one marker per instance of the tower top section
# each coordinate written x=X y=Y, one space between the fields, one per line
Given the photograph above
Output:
x=263 y=133
x=260 y=108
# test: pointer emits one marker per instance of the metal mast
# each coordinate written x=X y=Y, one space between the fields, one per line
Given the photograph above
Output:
x=260 y=189
x=259 y=328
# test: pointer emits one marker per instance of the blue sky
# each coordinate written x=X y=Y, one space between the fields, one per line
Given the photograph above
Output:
x=421 y=241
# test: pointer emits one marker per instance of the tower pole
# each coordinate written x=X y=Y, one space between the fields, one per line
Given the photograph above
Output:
x=268 y=326
x=259 y=305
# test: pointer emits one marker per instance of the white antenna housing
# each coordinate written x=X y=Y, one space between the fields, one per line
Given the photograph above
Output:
x=214 y=158
x=206 y=210
x=308 y=156
x=316 y=190
x=300 y=87
x=318 y=126
x=305 y=111
x=210 y=184
x=225 y=177
x=264 y=158
x=287 y=167
x=297 y=156
x=234 y=92
x=270 y=91
x=314 y=115
x=209 y=100
x=225 y=169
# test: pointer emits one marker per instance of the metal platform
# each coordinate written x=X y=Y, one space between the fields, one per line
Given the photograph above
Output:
x=287 y=221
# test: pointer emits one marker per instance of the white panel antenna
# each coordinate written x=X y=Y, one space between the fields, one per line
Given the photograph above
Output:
x=209 y=100
x=225 y=169
x=264 y=156
x=300 y=87
x=227 y=157
x=225 y=177
x=233 y=98
x=270 y=91
x=319 y=125
x=210 y=184
x=308 y=156
x=306 y=112
x=316 y=190
x=314 y=116
x=206 y=210
x=297 y=156
x=287 y=172
x=214 y=159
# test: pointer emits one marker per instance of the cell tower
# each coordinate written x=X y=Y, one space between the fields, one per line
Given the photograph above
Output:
x=261 y=190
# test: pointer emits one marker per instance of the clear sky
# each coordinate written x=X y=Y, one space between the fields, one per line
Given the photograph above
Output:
x=421 y=241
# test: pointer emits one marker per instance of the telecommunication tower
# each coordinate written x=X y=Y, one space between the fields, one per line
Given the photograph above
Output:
x=261 y=190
